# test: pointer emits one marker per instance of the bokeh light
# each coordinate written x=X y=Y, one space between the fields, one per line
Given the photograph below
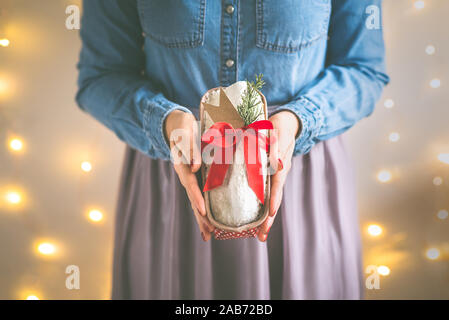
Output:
x=86 y=166
x=389 y=103
x=437 y=181
x=383 y=270
x=432 y=253
x=13 y=197
x=430 y=50
x=384 y=176
x=375 y=230
x=46 y=248
x=419 y=4
x=15 y=144
x=444 y=157
x=4 y=86
x=435 y=83
x=95 y=215
x=442 y=214
x=394 y=137
x=4 y=42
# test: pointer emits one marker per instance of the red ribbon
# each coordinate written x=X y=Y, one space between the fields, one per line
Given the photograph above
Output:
x=223 y=136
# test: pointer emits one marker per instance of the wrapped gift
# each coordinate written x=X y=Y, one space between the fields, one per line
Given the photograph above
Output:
x=235 y=142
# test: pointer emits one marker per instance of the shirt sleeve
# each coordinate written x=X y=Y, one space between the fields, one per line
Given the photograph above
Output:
x=111 y=83
x=352 y=82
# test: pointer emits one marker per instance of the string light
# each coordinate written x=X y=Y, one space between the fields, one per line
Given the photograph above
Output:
x=419 y=5
x=437 y=181
x=384 y=176
x=4 y=43
x=374 y=230
x=433 y=253
x=95 y=215
x=16 y=144
x=383 y=270
x=442 y=214
x=86 y=166
x=389 y=103
x=46 y=248
x=444 y=157
x=430 y=50
x=394 y=137
x=435 y=83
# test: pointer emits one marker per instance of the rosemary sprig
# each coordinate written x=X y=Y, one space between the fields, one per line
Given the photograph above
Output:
x=248 y=109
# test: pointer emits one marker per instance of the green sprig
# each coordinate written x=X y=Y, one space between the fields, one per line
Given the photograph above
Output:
x=248 y=109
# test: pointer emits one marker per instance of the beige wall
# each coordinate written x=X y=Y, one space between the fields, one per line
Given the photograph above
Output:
x=37 y=88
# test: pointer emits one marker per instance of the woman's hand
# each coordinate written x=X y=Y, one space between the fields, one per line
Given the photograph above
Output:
x=286 y=127
x=182 y=132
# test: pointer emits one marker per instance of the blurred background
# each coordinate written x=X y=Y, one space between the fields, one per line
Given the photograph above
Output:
x=59 y=168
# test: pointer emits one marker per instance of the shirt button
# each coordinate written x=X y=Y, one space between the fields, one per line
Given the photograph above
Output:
x=230 y=9
x=229 y=63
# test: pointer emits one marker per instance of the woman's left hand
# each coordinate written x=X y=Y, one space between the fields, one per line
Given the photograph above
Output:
x=286 y=127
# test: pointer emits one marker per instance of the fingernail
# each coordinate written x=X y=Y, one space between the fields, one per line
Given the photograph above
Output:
x=202 y=236
x=281 y=165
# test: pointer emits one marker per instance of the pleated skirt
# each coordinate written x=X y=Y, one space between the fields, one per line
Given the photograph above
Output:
x=313 y=249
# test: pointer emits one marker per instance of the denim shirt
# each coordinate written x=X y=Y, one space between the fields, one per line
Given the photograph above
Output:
x=142 y=59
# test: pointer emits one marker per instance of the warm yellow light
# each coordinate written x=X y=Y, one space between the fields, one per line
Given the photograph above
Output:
x=4 y=86
x=13 y=197
x=394 y=137
x=389 y=103
x=430 y=50
x=419 y=4
x=374 y=230
x=435 y=83
x=32 y=297
x=444 y=157
x=16 y=144
x=95 y=215
x=383 y=270
x=438 y=181
x=384 y=176
x=442 y=214
x=4 y=42
x=46 y=248
x=433 y=253
x=86 y=166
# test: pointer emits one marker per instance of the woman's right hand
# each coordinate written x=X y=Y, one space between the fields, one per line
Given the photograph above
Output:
x=182 y=132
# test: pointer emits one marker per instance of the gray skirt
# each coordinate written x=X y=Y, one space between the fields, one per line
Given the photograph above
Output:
x=312 y=251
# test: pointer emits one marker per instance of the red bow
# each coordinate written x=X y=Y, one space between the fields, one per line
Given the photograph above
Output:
x=222 y=135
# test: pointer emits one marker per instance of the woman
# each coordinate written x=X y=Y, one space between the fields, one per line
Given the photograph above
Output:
x=144 y=66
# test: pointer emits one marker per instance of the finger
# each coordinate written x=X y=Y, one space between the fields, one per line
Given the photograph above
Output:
x=182 y=143
x=195 y=150
x=265 y=227
x=277 y=185
x=190 y=183
x=274 y=151
x=207 y=224
x=205 y=233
